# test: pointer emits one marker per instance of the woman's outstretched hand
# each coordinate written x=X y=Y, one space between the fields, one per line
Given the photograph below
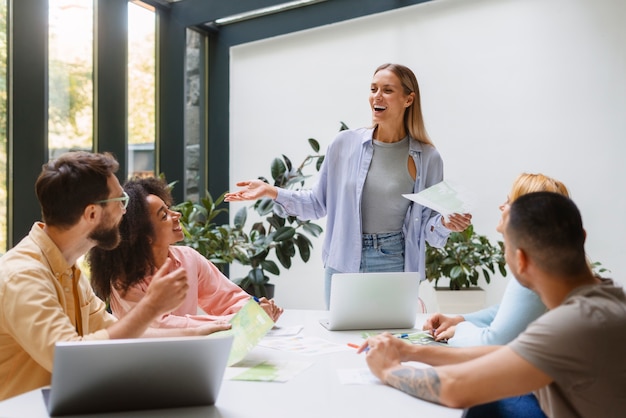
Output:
x=251 y=190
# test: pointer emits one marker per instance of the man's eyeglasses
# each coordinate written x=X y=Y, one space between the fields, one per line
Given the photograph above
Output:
x=124 y=200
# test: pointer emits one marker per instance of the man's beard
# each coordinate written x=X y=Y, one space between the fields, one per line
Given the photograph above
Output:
x=106 y=237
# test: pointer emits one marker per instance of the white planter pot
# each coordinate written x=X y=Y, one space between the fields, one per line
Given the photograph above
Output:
x=461 y=301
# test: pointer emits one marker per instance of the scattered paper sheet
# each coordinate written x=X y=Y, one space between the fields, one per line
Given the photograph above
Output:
x=249 y=325
x=304 y=345
x=284 y=331
x=416 y=337
x=357 y=377
x=267 y=371
x=445 y=197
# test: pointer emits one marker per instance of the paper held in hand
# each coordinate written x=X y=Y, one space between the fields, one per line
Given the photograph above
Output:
x=445 y=197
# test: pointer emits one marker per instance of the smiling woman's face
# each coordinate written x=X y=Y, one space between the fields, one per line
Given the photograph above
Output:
x=504 y=208
x=388 y=99
x=167 y=229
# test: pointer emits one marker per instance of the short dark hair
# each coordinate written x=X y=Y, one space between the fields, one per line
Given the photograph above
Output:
x=67 y=184
x=548 y=228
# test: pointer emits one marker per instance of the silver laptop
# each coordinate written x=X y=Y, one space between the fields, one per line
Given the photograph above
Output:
x=373 y=301
x=135 y=374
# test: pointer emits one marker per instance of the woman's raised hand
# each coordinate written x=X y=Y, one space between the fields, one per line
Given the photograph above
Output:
x=251 y=190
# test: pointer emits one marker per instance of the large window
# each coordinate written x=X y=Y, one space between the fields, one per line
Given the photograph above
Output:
x=141 y=90
x=3 y=127
x=70 y=103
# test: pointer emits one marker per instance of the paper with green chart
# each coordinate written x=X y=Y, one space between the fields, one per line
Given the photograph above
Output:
x=249 y=325
x=445 y=197
x=415 y=337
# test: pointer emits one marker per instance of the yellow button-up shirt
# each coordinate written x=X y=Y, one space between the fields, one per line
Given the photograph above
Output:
x=42 y=300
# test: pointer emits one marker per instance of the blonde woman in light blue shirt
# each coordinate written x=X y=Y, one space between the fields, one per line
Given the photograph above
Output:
x=499 y=324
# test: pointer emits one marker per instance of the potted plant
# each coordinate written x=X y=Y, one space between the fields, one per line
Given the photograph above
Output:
x=284 y=237
x=465 y=257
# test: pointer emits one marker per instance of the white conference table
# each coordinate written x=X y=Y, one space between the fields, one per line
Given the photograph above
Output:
x=314 y=392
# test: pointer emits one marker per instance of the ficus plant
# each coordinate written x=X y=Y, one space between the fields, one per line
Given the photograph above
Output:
x=282 y=237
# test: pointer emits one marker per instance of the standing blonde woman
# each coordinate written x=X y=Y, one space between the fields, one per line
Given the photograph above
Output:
x=370 y=227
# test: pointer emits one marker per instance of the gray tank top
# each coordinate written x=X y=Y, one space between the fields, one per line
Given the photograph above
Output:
x=382 y=206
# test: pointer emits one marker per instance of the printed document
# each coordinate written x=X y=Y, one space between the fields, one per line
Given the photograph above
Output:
x=445 y=198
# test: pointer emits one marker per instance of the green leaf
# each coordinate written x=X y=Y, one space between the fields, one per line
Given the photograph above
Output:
x=287 y=163
x=278 y=168
x=304 y=246
x=284 y=233
x=456 y=272
x=256 y=276
x=259 y=228
x=486 y=275
x=240 y=217
x=264 y=206
x=312 y=228
x=270 y=267
x=314 y=144
x=276 y=221
x=295 y=180
x=259 y=291
x=503 y=271
x=319 y=162
x=283 y=257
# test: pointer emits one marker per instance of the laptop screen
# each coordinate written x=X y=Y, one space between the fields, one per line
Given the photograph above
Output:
x=134 y=374
x=374 y=300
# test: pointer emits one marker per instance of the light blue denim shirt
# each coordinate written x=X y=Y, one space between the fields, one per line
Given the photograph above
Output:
x=500 y=324
x=337 y=195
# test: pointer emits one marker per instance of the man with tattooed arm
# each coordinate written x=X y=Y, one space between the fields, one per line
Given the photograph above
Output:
x=571 y=357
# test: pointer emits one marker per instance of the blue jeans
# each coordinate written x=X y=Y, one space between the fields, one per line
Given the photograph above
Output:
x=379 y=253
x=525 y=406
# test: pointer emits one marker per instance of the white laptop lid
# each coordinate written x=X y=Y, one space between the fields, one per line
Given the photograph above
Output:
x=133 y=374
x=373 y=301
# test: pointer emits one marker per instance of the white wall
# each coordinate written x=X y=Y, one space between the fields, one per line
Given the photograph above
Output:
x=507 y=86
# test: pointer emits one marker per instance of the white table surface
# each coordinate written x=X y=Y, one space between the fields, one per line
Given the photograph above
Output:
x=313 y=392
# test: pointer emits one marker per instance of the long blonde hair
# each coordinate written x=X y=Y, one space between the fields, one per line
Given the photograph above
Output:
x=413 y=119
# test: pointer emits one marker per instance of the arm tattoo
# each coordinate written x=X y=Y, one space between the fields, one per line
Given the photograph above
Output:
x=421 y=383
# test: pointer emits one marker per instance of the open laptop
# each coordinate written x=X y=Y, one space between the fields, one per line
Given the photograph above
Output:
x=373 y=301
x=134 y=374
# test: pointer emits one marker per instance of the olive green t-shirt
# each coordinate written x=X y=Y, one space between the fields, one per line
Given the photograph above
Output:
x=581 y=345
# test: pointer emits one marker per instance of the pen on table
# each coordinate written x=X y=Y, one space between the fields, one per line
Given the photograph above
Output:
x=357 y=346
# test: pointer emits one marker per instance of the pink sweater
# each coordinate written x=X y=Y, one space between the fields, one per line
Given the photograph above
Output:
x=209 y=289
